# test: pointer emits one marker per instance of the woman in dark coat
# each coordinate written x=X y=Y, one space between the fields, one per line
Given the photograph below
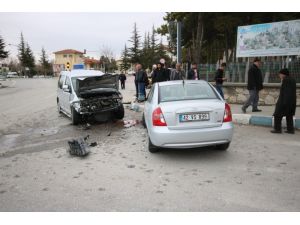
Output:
x=286 y=103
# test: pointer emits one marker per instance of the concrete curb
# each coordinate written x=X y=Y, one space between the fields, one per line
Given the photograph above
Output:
x=268 y=121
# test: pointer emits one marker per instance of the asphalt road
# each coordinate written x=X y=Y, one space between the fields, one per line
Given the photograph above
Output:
x=259 y=172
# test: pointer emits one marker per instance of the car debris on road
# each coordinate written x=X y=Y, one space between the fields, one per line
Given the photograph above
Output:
x=130 y=123
x=80 y=147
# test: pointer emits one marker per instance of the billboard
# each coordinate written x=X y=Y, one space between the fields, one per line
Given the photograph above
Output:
x=269 y=39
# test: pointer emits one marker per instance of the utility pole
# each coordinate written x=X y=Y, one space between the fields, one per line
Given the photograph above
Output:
x=179 y=41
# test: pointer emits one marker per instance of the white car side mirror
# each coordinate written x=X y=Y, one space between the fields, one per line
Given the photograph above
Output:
x=66 y=88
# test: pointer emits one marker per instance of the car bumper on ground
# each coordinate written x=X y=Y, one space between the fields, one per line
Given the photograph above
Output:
x=191 y=138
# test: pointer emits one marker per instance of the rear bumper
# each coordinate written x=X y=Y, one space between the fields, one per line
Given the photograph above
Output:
x=191 y=138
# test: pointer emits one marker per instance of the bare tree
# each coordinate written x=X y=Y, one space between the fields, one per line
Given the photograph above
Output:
x=107 y=52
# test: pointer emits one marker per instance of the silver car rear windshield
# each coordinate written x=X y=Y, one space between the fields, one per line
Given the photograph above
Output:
x=187 y=91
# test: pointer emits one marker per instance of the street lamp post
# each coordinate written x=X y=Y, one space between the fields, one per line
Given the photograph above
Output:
x=179 y=41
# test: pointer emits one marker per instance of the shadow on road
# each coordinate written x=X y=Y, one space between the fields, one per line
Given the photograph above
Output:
x=203 y=153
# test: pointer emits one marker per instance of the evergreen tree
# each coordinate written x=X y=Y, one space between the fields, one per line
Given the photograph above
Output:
x=26 y=57
x=46 y=66
x=21 y=54
x=125 y=65
x=29 y=60
x=161 y=52
x=153 y=40
x=134 y=51
x=145 y=53
x=3 y=53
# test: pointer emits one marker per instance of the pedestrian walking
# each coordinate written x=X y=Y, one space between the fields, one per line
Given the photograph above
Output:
x=193 y=73
x=286 y=103
x=122 y=79
x=219 y=78
x=142 y=81
x=160 y=74
x=178 y=73
x=255 y=85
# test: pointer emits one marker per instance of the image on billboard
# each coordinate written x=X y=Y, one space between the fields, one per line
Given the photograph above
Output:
x=269 y=39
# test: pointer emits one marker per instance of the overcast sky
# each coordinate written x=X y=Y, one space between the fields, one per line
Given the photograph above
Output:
x=90 y=31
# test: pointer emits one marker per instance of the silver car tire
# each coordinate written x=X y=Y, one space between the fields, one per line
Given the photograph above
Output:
x=152 y=148
x=75 y=116
x=58 y=107
x=223 y=147
x=119 y=114
x=143 y=121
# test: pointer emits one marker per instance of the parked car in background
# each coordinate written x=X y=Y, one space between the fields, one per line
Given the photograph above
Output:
x=187 y=114
x=12 y=75
x=86 y=93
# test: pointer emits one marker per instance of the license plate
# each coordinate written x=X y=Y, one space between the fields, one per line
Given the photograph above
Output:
x=194 y=117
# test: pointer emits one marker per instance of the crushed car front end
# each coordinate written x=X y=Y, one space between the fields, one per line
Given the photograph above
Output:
x=96 y=94
x=101 y=102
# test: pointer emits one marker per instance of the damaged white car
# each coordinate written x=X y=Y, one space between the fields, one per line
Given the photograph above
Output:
x=86 y=93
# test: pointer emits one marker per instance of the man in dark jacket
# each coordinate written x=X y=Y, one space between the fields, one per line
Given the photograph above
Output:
x=122 y=79
x=178 y=73
x=193 y=73
x=255 y=84
x=219 y=78
x=142 y=82
x=160 y=74
x=286 y=103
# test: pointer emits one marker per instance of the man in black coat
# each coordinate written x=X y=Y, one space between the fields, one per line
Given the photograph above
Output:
x=160 y=74
x=193 y=73
x=255 y=84
x=122 y=79
x=219 y=78
x=286 y=103
x=142 y=83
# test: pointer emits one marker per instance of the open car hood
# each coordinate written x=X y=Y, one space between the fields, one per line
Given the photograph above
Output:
x=101 y=83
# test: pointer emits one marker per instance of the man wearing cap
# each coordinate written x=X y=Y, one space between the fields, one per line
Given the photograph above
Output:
x=255 y=84
x=286 y=103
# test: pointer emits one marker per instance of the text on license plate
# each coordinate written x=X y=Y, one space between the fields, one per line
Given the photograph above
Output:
x=194 y=117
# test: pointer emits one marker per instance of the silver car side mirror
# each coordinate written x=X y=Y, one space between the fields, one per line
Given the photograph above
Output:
x=66 y=88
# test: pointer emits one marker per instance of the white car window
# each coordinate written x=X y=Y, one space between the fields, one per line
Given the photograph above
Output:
x=150 y=95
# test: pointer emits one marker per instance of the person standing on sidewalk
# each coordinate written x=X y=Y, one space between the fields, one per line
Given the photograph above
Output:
x=160 y=74
x=178 y=73
x=122 y=79
x=193 y=73
x=135 y=80
x=142 y=81
x=219 y=78
x=286 y=103
x=255 y=85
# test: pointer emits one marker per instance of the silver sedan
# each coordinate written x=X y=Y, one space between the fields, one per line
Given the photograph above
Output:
x=187 y=114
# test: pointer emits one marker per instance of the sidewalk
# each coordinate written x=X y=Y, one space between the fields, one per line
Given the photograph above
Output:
x=263 y=118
